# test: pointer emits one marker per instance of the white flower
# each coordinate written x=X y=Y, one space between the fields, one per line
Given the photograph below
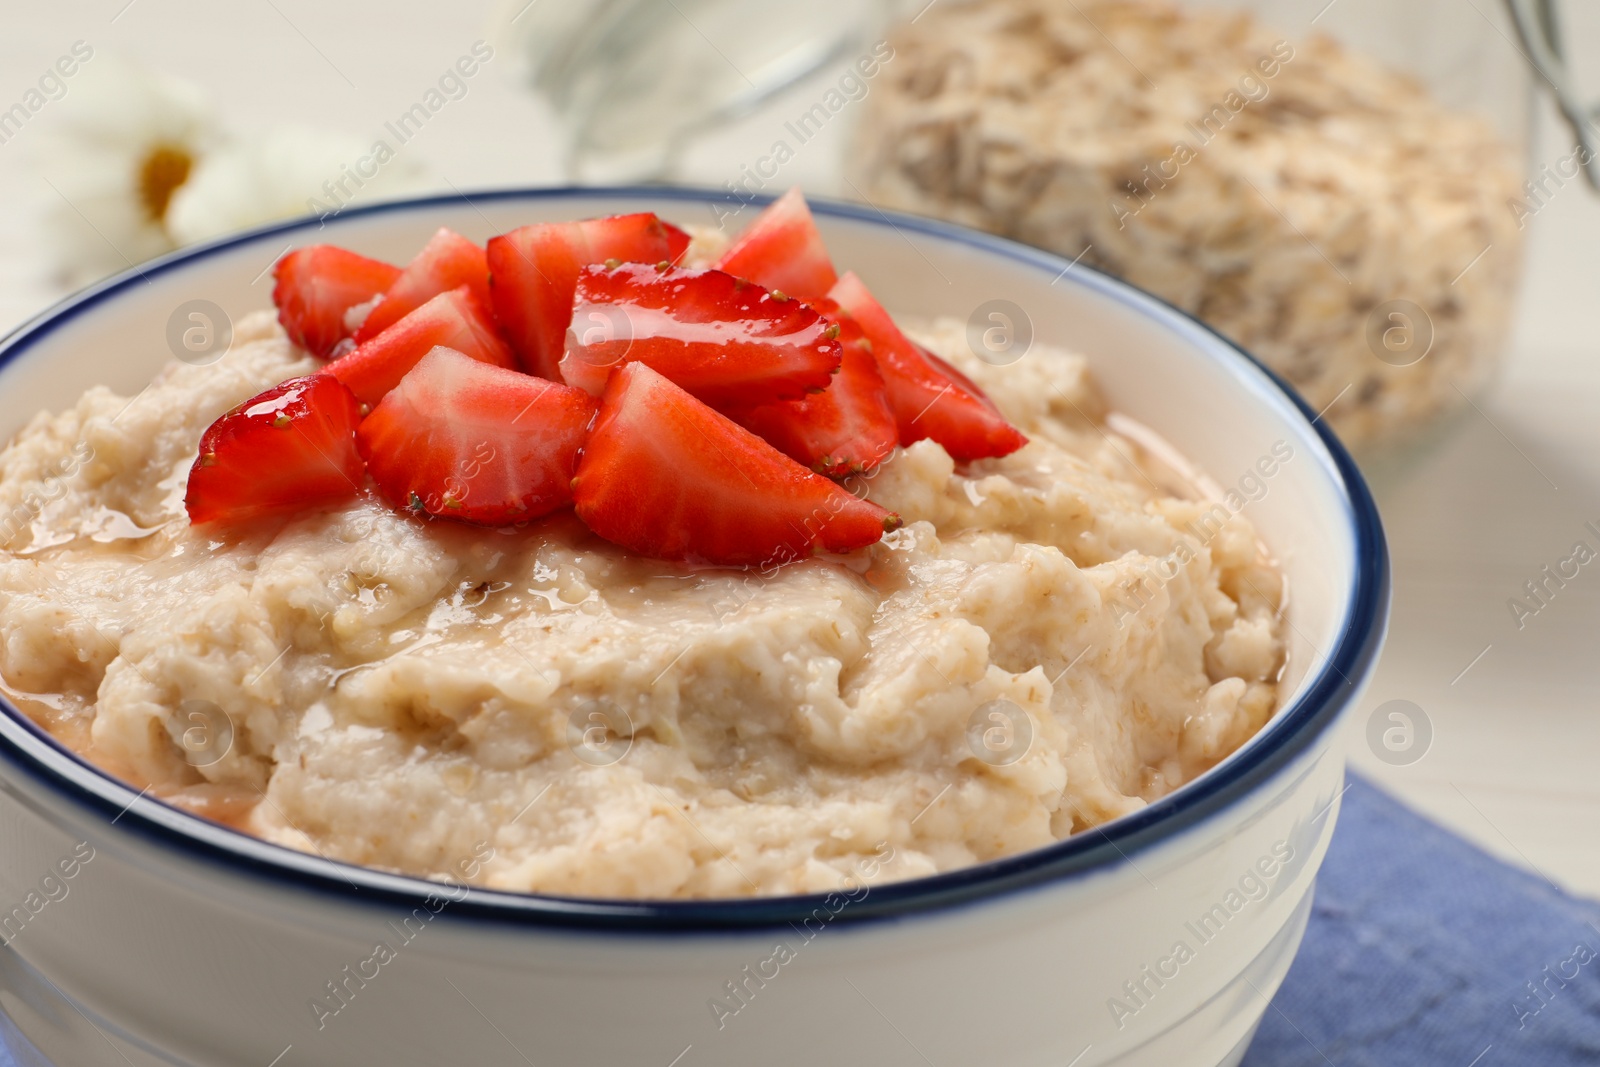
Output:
x=140 y=166
x=288 y=172
x=126 y=141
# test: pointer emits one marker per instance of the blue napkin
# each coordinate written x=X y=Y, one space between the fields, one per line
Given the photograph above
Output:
x=1423 y=951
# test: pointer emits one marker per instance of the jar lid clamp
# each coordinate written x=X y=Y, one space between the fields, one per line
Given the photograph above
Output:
x=1539 y=28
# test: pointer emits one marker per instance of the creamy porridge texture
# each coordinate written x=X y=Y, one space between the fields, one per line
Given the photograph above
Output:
x=410 y=695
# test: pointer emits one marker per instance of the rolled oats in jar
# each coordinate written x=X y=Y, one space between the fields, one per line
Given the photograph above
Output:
x=1318 y=206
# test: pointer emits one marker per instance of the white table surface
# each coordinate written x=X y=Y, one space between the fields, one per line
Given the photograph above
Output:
x=1515 y=758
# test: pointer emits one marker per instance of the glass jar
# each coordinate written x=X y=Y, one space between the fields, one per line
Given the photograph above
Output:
x=1339 y=185
x=1333 y=183
x=635 y=80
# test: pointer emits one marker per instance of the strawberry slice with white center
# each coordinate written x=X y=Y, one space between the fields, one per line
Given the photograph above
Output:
x=783 y=250
x=457 y=320
x=726 y=340
x=533 y=271
x=847 y=428
x=664 y=475
x=291 y=448
x=461 y=439
x=929 y=398
x=448 y=261
x=317 y=285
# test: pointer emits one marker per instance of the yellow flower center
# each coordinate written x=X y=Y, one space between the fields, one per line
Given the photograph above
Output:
x=164 y=168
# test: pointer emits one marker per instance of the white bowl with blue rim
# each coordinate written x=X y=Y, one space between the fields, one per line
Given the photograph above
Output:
x=1154 y=940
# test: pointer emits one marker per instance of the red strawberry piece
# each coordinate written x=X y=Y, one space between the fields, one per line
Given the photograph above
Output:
x=726 y=340
x=464 y=440
x=666 y=476
x=291 y=448
x=954 y=375
x=317 y=285
x=448 y=261
x=929 y=398
x=641 y=234
x=456 y=319
x=532 y=272
x=782 y=250
x=845 y=429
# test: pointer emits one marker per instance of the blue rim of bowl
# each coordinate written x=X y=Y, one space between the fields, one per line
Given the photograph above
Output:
x=26 y=747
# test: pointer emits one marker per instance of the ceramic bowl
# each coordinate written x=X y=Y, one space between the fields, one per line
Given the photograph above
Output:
x=1156 y=939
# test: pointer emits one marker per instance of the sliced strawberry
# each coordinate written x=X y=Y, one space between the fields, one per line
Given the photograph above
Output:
x=634 y=238
x=456 y=319
x=317 y=285
x=666 y=476
x=446 y=262
x=955 y=375
x=726 y=340
x=929 y=398
x=532 y=272
x=782 y=250
x=464 y=440
x=292 y=447
x=845 y=429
